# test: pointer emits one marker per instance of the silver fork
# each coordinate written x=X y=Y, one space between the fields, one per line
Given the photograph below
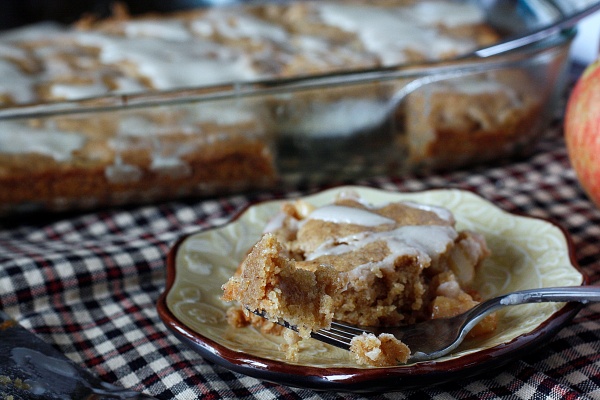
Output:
x=435 y=338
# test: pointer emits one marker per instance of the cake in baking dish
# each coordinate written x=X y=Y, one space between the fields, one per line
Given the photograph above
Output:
x=383 y=265
x=470 y=119
x=211 y=145
x=201 y=47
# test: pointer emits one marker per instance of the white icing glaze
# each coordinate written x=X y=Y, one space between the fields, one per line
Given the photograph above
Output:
x=275 y=223
x=140 y=126
x=196 y=71
x=351 y=194
x=450 y=14
x=339 y=119
x=222 y=113
x=9 y=50
x=426 y=242
x=380 y=31
x=17 y=138
x=237 y=25
x=123 y=173
x=441 y=212
x=127 y=85
x=15 y=83
x=74 y=92
x=349 y=215
x=171 y=30
x=174 y=64
x=172 y=166
x=389 y=32
x=449 y=289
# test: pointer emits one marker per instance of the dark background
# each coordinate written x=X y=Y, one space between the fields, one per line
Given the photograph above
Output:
x=14 y=13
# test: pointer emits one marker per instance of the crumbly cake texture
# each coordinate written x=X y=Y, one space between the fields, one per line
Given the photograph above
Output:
x=270 y=281
x=379 y=351
x=208 y=147
x=384 y=265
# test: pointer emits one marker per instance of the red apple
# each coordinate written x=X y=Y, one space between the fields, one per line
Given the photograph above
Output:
x=582 y=130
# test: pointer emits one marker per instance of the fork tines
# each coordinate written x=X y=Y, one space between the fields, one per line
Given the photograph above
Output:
x=339 y=334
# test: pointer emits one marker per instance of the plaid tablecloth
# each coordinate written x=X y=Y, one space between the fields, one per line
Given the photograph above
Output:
x=88 y=284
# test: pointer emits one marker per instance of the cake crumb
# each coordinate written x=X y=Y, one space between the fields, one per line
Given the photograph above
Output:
x=379 y=351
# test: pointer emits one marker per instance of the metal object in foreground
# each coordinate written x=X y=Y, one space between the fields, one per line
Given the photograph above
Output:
x=436 y=338
x=32 y=369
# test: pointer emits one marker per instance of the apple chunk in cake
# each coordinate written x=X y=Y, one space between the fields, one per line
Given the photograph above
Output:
x=385 y=265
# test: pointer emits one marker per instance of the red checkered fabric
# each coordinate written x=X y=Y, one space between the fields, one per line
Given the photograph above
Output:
x=88 y=284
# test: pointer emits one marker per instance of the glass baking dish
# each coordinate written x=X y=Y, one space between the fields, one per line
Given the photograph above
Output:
x=263 y=134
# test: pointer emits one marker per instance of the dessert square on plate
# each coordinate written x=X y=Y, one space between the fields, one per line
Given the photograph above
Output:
x=386 y=265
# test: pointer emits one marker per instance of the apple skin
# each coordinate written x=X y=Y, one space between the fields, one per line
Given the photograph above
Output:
x=582 y=130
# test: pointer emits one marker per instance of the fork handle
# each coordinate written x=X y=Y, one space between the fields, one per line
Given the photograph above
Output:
x=560 y=294
x=582 y=294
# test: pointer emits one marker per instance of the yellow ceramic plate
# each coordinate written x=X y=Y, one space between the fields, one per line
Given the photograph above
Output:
x=526 y=253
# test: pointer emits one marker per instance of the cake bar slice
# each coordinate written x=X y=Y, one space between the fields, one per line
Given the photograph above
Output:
x=269 y=281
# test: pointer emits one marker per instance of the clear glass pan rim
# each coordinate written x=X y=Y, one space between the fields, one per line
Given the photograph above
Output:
x=250 y=89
